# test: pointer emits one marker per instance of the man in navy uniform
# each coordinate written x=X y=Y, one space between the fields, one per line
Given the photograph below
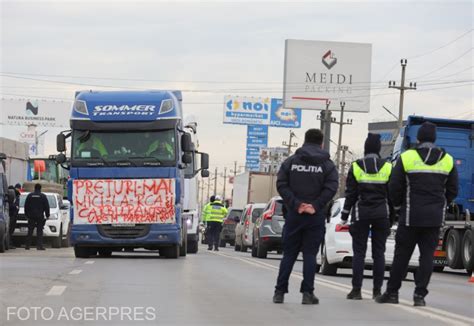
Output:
x=36 y=208
x=307 y=181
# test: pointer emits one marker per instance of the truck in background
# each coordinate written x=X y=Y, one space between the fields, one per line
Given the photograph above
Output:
x=253 y=187
x=456 y=236
x=49 y=173
x=129 y=157
x=7 y=198
x=16 y=160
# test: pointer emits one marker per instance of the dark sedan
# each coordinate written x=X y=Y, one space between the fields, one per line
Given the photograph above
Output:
x=268 y=229
x=228 y=227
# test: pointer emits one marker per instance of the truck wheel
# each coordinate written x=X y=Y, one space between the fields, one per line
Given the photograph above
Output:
x=193 y=247
x=56 y=243
x=3 y=243
x=261 y=250
x=81 y=252
x=65 y=240
x=466 y=252
x=222 y=243
x=326 y=268
x=105 y=252
x=170 y=252
x=183 y=249
x=453 y=249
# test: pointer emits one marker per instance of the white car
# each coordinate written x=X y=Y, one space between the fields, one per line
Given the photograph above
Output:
x=56 y=227
x=336 y=250
x=244 y=228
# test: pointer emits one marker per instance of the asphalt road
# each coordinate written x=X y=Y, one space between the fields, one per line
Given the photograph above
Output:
x=210 y=288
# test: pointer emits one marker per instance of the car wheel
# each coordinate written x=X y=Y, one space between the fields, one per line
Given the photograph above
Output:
x=56 y=242
x=326 y=268
x=453 y=249
x=466 y=252
x=3 y=245
x=222 y=243
x=254 y=249
x=232 y=243
x=261 y=250
x=236 y=247
x=65 y=240
x=243 y=248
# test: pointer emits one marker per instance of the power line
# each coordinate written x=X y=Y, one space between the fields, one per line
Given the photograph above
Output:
x=441 y=47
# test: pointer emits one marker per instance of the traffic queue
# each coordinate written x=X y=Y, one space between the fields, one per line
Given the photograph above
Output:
x=393 y=210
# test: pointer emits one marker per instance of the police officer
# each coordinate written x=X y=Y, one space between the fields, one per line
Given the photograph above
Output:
x=215 y=216
x=307 y=181
x=204 y=217
x=36 y=207
x=367 y=198
x=424 y=181
x=13 y=212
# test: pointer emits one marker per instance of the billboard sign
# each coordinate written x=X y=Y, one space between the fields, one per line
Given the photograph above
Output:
x=257 y=137
x=41 y=113
x=246 y=110
x=318 y=71
x=284 y=117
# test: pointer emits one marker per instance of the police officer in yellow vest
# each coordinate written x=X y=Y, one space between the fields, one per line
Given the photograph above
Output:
x=367 y=198
x=215 y=216
x=423 y=183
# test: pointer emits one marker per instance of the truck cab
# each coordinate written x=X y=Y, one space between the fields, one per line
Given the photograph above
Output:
x=128 y=160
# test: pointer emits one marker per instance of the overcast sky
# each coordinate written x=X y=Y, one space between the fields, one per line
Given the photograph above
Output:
x=213 y=46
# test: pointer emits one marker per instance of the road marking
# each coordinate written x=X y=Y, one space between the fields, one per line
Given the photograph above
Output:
x=89 y=262
x=75 y=272
x=56 y=290
x=429 y=312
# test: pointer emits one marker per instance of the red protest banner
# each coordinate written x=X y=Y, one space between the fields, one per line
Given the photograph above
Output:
x=117 y=201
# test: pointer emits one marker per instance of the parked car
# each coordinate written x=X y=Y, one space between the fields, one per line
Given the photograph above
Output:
x=56 y=228
x=228 y=227
x=244 y=229
x=336 y=250
x=268 y=229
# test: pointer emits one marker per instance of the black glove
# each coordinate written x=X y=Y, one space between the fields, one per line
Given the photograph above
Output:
x=344 y=216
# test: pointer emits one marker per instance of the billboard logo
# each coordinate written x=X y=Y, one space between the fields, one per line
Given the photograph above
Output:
x=257 y=106
x=329 y=59
x=31 y=109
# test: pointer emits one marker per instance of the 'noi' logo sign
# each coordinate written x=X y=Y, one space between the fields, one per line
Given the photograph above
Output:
x=329 y=59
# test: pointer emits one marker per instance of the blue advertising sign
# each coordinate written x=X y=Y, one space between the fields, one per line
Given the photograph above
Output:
x=257 y=131
x=283 y=117
x=257 y=137
x=257 y=141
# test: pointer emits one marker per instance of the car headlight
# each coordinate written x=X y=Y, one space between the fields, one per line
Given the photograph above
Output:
x=54 y=216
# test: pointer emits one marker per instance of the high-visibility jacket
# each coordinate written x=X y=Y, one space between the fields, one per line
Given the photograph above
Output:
x=367 y=189
x=168 y=148
x=216 y=212
x=424 y=181
x=96 y=145
x=205 y=212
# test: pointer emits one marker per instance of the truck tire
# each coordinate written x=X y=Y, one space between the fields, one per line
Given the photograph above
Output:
x=65 y=241
x=326 y=268
x=170 y=252
x=104 y=252
x=222 y=243
x=193 y=247
x=56 y=242
x=466 y=251
x=3 y=241
x=81 y=252
x=261 y=250
x=183 y=248
x=453 y=249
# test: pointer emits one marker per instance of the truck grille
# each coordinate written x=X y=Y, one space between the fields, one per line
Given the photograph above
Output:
x=124 y=232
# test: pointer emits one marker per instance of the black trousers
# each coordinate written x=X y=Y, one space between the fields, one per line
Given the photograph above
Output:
x=214 y=233
x=12 y=226
x=301 y=233
x=379 y=230
x=406 y=239
x=37 y=223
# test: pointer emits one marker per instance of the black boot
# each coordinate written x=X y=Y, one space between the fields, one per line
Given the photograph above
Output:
x=41 y=248
x=216 y=249
x=209 y=248
x=309 y=298
x=355 y=294
x=376 y=293
x=278 y=297
x=387 y=298
x=418 y=300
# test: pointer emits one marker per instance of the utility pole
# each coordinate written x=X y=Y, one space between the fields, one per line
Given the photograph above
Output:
x=202 y=193
x=225 y=181
x=290 y=144
x=326 y=119
x=215 y=182
x=342 y=171
x=208 y=188
x=401 y=88
x=341 y=123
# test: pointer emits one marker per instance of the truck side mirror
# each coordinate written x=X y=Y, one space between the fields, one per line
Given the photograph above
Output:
x=61 y=158
x=204 y=161
x=187 y=158
x=186 y=143
x=205 y=173
x=61 y=143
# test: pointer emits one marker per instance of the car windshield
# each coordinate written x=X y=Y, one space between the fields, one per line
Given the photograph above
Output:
x=234 y=213
x=124 y=146
x=51 y=200
x=256 y=214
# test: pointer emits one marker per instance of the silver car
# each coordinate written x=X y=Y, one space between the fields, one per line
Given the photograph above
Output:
x=244 y=228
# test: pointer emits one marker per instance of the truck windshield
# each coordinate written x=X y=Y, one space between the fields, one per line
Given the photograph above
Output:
x=44 y=169
x=133 y=147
